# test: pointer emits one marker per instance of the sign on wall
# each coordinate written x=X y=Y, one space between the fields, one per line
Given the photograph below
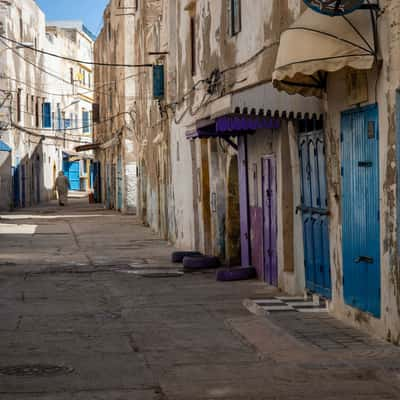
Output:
x=356 y=87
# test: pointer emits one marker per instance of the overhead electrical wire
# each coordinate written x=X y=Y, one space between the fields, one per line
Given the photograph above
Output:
x=90 y=125
x=75 y=59
x=35 y=88
x=48 y=72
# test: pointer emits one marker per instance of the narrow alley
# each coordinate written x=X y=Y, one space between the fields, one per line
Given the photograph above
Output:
x=92 y=308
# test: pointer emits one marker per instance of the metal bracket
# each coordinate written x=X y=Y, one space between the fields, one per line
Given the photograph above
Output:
x=231 y=142
x=374 y=7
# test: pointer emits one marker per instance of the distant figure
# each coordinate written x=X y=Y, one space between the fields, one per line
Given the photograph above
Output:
x=62 y=186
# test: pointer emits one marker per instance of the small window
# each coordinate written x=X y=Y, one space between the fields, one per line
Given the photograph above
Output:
x=85 y=121
x=67 y=123
x=193 y=45
x=21 y=26
x=59 y=125
x=234 y=16
x=19 y=116
x=110 y=100
x=109 y=31
x=46 y=115
x=37 y=112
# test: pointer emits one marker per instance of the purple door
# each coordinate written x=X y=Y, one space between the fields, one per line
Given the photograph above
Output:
x=244 y=201
x=270 y=220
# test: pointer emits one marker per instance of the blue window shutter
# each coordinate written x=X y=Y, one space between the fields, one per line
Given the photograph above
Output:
x=46 y=115
x=158 y=81
x=85 y=121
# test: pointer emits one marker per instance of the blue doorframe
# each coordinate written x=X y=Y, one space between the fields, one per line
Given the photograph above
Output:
x=360 y=209
x=314 y=210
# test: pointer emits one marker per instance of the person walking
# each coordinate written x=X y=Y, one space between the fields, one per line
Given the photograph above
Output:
x=62 y=185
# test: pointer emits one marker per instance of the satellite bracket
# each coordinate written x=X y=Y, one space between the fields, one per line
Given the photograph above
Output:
x=373 y=7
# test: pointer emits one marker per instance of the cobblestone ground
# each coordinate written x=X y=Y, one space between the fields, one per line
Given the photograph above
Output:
x=78 y=322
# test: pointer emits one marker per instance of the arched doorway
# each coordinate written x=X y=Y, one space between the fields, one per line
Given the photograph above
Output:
x=233 y=214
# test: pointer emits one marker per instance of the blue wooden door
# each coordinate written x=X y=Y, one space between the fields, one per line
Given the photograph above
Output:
x=16 y=183
x=72 y=172
x=360 y=209
x=23 y=186
x=91 y=175
x=314 y=209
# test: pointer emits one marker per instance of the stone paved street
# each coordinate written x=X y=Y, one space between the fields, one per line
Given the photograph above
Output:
x=78 y=322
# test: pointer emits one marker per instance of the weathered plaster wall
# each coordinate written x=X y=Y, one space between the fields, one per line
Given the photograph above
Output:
x=245 y=60
x=383 y=83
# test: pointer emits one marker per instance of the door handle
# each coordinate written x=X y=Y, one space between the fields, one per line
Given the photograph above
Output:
x=365 y=164
x=364 y=259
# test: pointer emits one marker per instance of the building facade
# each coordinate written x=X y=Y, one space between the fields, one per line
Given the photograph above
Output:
x=272 y=142
x=115 y=96
x=45 y=108
x=358 y=83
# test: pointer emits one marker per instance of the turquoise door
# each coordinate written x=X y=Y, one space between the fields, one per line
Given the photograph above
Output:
x=314 y=210
x=72 y=172
x=360 y=209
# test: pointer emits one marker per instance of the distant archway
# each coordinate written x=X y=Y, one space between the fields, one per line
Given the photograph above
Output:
x=233 y=214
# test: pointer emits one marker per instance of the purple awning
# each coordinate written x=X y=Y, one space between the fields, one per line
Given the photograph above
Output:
x=242 y=122
x=234 y=125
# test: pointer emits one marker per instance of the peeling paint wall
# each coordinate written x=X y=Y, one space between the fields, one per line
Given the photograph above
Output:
x=383 y=84
x=245 y=60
